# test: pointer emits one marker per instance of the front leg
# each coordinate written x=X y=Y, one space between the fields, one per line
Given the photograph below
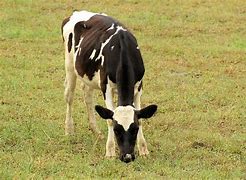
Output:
x=141 y=142
x=110 y=145
x=142 y=145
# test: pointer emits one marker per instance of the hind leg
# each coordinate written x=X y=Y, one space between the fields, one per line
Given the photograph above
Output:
x=70 y=83
x=88 y=97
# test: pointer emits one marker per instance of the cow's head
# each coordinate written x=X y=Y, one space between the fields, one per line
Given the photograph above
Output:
x=125 y=120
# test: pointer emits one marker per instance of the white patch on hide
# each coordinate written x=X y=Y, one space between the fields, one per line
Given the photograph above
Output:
x=111 y=27
x=93 y=54
x=78 y=47
x=76 y=17
x=118 y=28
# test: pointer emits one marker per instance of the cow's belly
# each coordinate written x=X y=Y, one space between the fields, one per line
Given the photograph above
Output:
x=94 y=83
x=114 y=87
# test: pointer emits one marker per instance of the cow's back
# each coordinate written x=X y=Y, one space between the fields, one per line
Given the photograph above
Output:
x=94 y=42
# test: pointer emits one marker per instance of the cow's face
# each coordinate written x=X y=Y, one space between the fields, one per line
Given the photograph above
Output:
x=125 y=120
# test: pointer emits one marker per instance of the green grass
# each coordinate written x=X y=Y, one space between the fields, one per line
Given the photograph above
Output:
x=195 y=58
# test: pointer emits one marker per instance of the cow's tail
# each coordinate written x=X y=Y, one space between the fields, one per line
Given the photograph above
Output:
x=123 y=48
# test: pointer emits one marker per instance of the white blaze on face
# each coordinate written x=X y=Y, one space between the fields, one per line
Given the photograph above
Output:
x=124 y=115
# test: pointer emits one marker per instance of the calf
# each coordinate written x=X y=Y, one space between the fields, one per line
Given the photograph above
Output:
x=104 y=55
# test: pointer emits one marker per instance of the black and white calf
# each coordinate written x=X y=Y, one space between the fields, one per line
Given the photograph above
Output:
x=104 y=55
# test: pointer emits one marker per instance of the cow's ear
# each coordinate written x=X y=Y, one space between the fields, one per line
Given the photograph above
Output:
x=104 y=112
x=147 y=112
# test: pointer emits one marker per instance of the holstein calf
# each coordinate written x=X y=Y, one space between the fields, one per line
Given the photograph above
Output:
x=104 y=55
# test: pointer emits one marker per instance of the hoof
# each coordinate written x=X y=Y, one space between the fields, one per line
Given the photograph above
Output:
x=100 y=136
x=143 y=151
x=69 y=131
x=144 y=154
x=110 y=156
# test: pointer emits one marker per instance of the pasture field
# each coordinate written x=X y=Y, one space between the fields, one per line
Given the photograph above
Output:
x=195 y=58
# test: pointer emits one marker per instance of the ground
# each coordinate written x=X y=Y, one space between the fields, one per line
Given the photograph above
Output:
x=195 y=59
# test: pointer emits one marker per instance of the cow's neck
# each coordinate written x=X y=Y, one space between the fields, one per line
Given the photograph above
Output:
x=125 y=77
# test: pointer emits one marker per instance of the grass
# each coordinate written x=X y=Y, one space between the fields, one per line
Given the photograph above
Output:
x=195 y=58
